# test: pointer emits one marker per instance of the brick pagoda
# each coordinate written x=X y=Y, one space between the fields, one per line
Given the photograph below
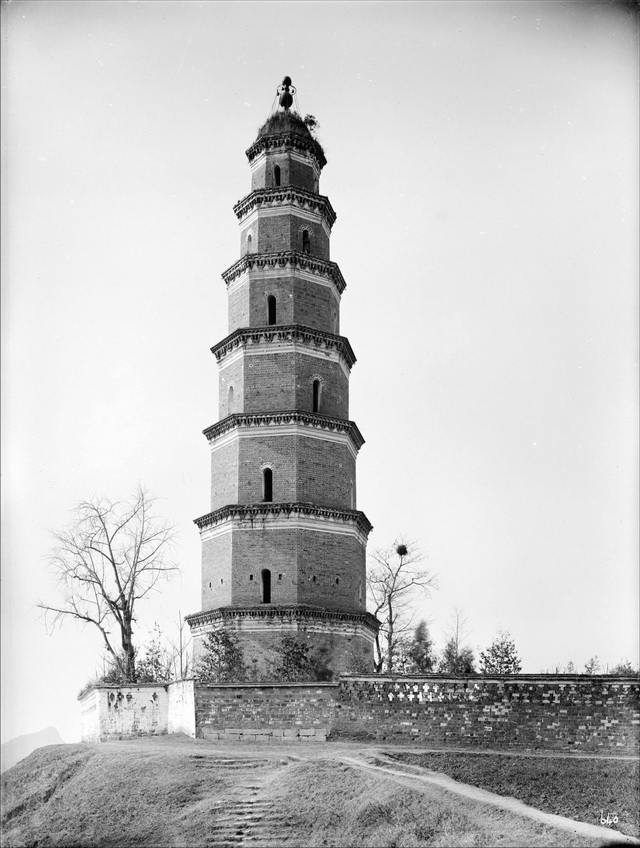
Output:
x=284 y=547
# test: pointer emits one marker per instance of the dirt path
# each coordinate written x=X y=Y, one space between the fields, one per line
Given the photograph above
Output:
x=416 y=777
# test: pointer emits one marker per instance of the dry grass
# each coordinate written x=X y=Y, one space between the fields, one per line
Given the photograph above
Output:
x=174 y=792
x=330 y=804
x=77 y=795
x=577 y=788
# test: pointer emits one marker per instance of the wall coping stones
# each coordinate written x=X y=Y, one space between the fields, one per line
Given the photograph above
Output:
x=304 y=685
x=501 y=678
x=99 y=686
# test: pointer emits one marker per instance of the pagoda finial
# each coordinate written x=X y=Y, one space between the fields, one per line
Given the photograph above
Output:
x=285 y=93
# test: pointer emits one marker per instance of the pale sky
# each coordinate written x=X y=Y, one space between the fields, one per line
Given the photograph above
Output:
x=483 y=164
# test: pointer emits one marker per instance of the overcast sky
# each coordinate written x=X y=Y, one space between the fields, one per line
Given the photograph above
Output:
x=483 y=164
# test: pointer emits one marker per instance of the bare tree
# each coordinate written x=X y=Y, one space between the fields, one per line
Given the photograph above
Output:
x=457 y=658
x=394 y=583
x=111 y=556
x=181 y=652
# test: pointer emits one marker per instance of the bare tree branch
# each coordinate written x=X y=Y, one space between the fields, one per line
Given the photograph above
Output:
x=111 y=556
x=394 y=583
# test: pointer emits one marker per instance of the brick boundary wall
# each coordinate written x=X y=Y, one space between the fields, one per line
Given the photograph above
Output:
x=564 y=713
x=520 y=712
x=265 y=712
x=595 y=714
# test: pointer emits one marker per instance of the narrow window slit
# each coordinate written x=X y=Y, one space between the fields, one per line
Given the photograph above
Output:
x=317 y=389
x=267 y=485
x=271 y=310
x=266 y=586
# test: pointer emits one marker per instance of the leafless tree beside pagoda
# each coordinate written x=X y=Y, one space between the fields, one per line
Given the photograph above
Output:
x=395 y=582
x=112 y=555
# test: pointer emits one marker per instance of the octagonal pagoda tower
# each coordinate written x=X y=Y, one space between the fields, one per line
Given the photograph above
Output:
x=284 y=546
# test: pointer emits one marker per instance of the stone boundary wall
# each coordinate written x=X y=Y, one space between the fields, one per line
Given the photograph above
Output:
x=595 y=714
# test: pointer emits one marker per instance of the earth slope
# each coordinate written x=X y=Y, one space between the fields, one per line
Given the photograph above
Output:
x=17 y=749
x=175 y=791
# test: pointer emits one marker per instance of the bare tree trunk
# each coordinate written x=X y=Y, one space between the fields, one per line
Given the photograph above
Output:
x=378 y=661
x=390 y=637
x=128 y=647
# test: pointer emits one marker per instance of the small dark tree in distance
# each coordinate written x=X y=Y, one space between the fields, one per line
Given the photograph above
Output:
x=593 y=666
x=421 y=650
x=501 y=656
x=155 y=663
x=456 y=660
x=222 y=660
x=624 y=669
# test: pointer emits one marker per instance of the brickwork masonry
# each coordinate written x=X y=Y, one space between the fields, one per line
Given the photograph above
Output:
x=576 y=713
x=573 y=713
x=565 y=713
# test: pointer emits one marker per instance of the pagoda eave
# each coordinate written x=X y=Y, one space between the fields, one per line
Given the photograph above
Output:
x=289 y=258
x=286 y=333
x=275 y=419
x=262 y=511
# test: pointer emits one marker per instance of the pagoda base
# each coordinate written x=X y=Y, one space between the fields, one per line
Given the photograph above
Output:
x=339 y=641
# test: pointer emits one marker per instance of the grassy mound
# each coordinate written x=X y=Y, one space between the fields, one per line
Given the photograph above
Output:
x=330 y=804
x=581 y=789
x=175 y=791
x=80 y=795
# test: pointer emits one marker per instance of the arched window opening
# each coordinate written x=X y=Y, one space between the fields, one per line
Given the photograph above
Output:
x=314 y=579
x=251 y=577
x=266 y=586
x=337 y=580
x=249 y=242
x=271 y=309
x=276 y=174
x=267 y=485
x=306 y=242
x=230 y=401
x=317 y=390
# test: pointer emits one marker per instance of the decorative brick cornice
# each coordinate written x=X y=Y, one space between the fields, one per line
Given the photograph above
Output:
x=260 y=511
x=270 y=197
x=301 y=261
x=284 y=140
x=273 y=419
x=288 y=611
x=285 y=333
